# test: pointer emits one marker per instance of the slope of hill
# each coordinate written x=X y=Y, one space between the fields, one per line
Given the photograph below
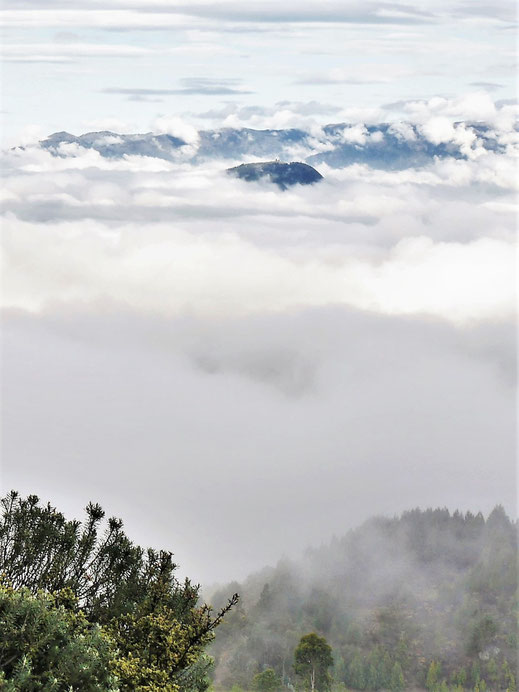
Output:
x=429 y=587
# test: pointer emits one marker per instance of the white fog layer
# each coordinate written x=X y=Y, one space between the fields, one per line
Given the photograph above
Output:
x=244 y=359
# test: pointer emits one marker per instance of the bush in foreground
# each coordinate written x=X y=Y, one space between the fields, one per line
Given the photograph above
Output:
x=86 y=609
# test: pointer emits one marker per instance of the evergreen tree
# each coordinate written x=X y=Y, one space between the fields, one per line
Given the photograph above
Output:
x=433 y=675
x=397 y=682
x=313 y=658
x=356 y=678
x=46 y=643
x=153 y=624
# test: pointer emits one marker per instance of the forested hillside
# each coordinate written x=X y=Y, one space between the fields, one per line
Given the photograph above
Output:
x=424 y=600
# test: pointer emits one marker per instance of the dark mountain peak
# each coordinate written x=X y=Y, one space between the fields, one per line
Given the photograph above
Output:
x=281 y=174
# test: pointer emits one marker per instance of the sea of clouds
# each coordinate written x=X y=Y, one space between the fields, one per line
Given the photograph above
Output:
x=242 y=371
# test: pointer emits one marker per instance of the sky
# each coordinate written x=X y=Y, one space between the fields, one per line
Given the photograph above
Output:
x=73 y=65
x=237 y=371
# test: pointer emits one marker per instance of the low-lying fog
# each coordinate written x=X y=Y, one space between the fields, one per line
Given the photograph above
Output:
x=239 y=371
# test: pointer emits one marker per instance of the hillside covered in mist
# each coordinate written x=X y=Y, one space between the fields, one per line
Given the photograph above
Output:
x=431 y=593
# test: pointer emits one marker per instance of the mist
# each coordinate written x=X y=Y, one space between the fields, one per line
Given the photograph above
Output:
x=213 y=359
x=183 y=426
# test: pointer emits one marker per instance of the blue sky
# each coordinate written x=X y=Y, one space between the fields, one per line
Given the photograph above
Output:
x=76 y=65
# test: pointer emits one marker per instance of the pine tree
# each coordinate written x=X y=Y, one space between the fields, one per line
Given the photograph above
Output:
x=397 y=682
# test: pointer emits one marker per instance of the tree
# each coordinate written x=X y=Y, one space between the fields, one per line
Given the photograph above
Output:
x=313 y=658
x=266 y=681
x=45 y=643
x=156 y=650
x=156 y=629
x=397 y=682
x=508 y=677
x=433 y=675
x=482 y=635
x=459 y=677
x=41 y=549
x=356 y=677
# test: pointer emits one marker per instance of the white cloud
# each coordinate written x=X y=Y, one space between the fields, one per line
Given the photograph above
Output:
x=438 y=129
x=403 y=130
x=474 y=106
x=110 y=124
x=360 y=73
x=98 y=19
x=355 y=135
x=209 y=271
x=175 y=126
x=355 y=335
x=63 y=51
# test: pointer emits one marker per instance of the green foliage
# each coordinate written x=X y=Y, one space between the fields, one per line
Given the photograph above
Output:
x=44 y=644
x=105 y=597
x=428 y=586
x=459 y=677
x=266 y=681
x=313 y=658
x=356 y=678
x=197 y=678
x=156 y=651
x=397 y=682
x=41 y=549
x=433 y=675
x=475 y=672
x=509 y=678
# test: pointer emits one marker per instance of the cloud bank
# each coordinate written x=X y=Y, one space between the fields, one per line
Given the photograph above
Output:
x=241 y=358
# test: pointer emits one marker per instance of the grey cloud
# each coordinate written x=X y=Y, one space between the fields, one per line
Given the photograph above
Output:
x=247 y=112
x=191 y=85
x=489 y=86
x=309 y=107
x=394 y=105
x=142 y=98
x=264 y=13
x=41 y=59
x=393 y=413
x=267 y=12
x=66 y=37
x=503 y=10
x=368 y=12
x=325 y=79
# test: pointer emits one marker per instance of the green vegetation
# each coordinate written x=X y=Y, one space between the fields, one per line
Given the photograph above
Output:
x=267 y=681
x=427 y=600
x=424 y=601
x=313 y=658
x=46 y=643
x=82 y=609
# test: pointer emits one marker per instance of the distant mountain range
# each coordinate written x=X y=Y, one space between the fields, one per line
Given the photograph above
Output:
x=281 y=174
x=384 y=146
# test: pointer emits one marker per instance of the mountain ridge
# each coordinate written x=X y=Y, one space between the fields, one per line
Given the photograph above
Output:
x=389 y=146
